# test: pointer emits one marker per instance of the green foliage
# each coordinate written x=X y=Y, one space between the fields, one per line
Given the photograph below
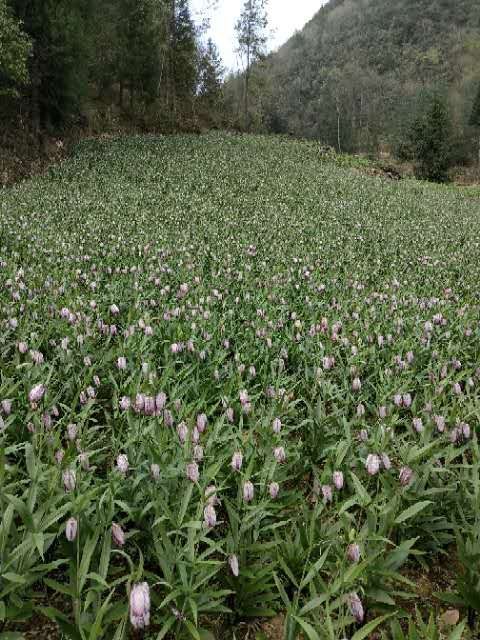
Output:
x=211 y=73
x=247 y=278
x=60 y=56
x=419 y=629
x=251 y=37
x=475 y=116
x=184 y=52
x=431 y=139
x=142 y=54
x=15 y=47
x=250 y=28
x=358 y=65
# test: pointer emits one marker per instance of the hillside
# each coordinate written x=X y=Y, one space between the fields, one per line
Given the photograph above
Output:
x=238 y=381
x=362 y=64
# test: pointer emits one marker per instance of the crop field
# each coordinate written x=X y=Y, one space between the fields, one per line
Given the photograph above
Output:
x=239 y=397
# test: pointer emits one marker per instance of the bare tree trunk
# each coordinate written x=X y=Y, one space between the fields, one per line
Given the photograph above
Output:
x=171 y=79
x=35 y=98
x=338 y=125
x=247 y=73
x=247 y=79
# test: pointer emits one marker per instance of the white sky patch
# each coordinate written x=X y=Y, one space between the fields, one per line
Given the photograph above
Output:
x=285 y=17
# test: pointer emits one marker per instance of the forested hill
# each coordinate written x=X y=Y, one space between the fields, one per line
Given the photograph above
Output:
x=362 y=64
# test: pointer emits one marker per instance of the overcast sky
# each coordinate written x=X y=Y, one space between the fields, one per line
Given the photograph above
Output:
x=285 y=17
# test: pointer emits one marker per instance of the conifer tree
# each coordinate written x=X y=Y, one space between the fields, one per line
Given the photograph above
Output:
x=211 y=72
x=252 y=40
x=431 y=138
x=184 y=52
x=475 y=118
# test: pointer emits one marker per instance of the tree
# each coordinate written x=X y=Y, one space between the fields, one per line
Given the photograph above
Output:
x=475 y=117
x=139 y=23
x=252 y=40
x=184 y=52
x=431 y=139
x=210 y=75
x=15 y=47
x=59 y=64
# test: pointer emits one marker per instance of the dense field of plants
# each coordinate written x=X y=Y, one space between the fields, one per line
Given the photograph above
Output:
x=238 y=381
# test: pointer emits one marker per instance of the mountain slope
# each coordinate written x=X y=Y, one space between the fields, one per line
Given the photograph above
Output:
x=356 y=70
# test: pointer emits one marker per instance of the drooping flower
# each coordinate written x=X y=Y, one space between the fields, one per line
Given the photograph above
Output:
x=124 y=403
x=405 y=476
x=327 y=493
x=237 y=461
x=248 y=491
x=160 y=401
x=454 y=435
x=192 y=472
x=72 y=431
x=355 y=606
x=149 y=406
x=155 y=471
x=118 y=534
x=279 y=454
x=22 y=347
x=84 y=462
x=353 y=552
x=233 y=563
x=276 y=426
x=465 y=430
x=372 y=464
x=201 y=422
x=211 y=495
x=273 y=490
x=386 y=464
x=247 y=408
x=140 y=605
x=407 y=400
x=139 y=403
x=337 y=479
x=209 y=516
x=417 y=425
x=6 y=407
x=71 y=529
x=36 y=393
x=69 y=479
x=122 y=463
x=356 y=384
x=182 y=432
